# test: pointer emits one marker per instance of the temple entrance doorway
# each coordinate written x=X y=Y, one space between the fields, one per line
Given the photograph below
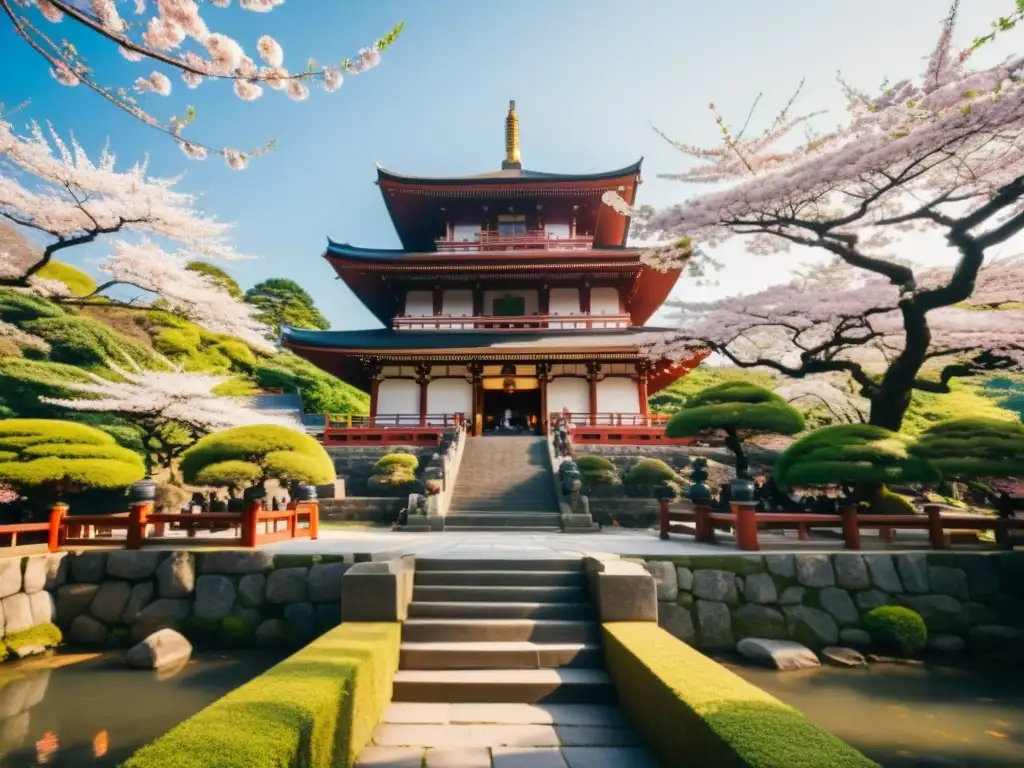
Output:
x=511 y=411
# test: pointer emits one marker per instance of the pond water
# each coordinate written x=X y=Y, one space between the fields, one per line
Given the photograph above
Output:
x=968 y=714
x=89 y=710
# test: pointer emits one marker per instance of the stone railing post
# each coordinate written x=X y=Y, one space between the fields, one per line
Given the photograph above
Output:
x=378 y=591
x=621 y=590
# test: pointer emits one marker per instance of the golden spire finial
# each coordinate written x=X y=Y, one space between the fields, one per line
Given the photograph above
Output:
x=512 y=158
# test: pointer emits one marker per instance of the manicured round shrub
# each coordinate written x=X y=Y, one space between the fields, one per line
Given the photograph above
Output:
x=77 y=281
x=896 y=628
x=396 y=463
x=735 y=405
x=650 y=472
x=594 y=464
x=39 y=452
x=967 y=449
x=851 y=454
x=255 y=454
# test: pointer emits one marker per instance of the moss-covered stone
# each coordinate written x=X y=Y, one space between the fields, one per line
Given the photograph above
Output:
x=684 y=599
x=45 y=635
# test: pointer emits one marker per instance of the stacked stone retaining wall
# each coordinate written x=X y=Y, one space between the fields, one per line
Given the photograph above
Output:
x=24 y=600
x=968 y=600
x=228 y=597
x=355 y=465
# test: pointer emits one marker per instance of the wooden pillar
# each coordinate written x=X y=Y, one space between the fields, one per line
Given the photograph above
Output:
x=375 y=379
x=476 y=371
x=585 y=298
x=478 y=300
x=641 y=386
x=438 y=300
x=544 y=300
x=544 y=376
x=593 y=374
x=423 y=379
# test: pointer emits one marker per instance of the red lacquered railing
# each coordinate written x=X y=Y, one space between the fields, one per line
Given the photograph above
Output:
x=537 y=239
x=502 y=323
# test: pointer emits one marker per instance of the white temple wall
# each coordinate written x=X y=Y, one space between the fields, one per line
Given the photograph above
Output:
x=447 y=396
x=618 y=394
x=457 y=302
x=398 y=396
x=604 y=301
x=569 y=393
x=564 y=301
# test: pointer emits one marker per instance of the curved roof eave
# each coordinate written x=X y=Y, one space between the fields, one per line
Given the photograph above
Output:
x=513 y=176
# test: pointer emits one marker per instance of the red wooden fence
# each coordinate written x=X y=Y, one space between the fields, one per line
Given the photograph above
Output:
x=143 y=527
x=746 y=522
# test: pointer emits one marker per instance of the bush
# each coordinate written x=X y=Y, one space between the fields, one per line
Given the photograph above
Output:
x=896 y=628
x=64 y=452
x=269 y=451
x=851 y=454
x=972 y=448
x=594 y=464
x=318 y=708
x=17 y=307
x=650 y=472
x=77 y=340
x=683 y=703
x=396 y=463
x=885 y=502
x=735 y=405
x=321 y=392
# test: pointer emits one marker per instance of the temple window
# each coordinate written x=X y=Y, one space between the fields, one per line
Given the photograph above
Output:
x=520 y=303
x=466 y=233
x=556 y=230
x=511 y=225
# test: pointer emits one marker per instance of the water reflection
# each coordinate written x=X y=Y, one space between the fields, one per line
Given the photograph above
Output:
x=92 y=711
x=968 y=714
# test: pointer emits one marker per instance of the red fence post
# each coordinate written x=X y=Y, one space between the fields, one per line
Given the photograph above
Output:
x=935 y=533
x=137 y=513
x=250 y=517
x=851 y=529
x=746 y=525
x=55 y=537
x=314 y=519
x=663 y=509
x=705 y=533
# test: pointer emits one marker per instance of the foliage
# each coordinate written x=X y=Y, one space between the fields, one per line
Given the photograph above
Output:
x=280 y=301
x=897 y=628
x=973 y=448
x=962 y=401
x=321 y=392
x=318 y=708
x=159 y=45
x=938 y=155
x=850 y=454
x=222 y=278
x=736 y=407
x=65 y=453
x=46 y=635
x=228 y=474
x=674 y=396
x=396 y=463
x=588 y=463
x=650 y=472
x=77 y=281
x=259 y=447
x=81 y=341
x=684 y=703
x=54 y=189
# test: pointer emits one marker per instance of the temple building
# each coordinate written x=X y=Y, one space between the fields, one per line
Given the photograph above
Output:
x=513 y=299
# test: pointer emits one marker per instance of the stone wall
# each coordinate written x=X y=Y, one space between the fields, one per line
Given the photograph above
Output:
x=355 y=465
x=25 y=602
x=362 y=508
x=625 y=513
x=229 y=597
x=968 y=600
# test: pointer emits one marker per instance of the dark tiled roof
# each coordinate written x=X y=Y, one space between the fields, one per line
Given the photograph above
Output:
x=513 y=176
x=382 y=339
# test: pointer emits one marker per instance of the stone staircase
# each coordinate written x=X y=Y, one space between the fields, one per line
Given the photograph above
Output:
x=504 y=483
x=501 y=665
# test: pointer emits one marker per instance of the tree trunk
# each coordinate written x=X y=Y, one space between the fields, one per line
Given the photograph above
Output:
x=734 y=444
x=890 y=402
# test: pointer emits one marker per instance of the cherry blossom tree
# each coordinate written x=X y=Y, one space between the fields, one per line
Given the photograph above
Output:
x=172 y=408
x=75 y=201
x=177 y=39
x=943 y=155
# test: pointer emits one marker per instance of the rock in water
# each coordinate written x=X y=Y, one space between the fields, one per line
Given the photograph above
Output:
x=780 y=654
x=163 y=648
x=843 y=657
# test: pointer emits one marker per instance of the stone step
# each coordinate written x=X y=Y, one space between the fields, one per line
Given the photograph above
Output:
x=470 y=610
x=528 y=686
x=520 y=520
x=517 y=528
x=472 y=593
x=509 y=505
x=493 y=578
x=499 y=631
x=517 y=564
x=511 y=655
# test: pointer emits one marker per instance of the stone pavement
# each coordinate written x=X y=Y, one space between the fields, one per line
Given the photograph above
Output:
x=412 y=735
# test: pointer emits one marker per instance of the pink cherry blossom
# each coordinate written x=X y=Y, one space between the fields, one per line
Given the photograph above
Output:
x=297 y=90
x=157 y=82
x=235 y=160
x=270 y=51
x=64 y=75
x=50 y=12
x=332 y=79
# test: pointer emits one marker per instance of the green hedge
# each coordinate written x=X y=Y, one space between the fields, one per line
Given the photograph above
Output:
x=896 y=628
x=317 y=709
x=650 y=472
x=396 y=464
x=692 y=710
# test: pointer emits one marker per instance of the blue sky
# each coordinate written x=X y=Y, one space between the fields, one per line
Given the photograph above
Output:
x=589 y=78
